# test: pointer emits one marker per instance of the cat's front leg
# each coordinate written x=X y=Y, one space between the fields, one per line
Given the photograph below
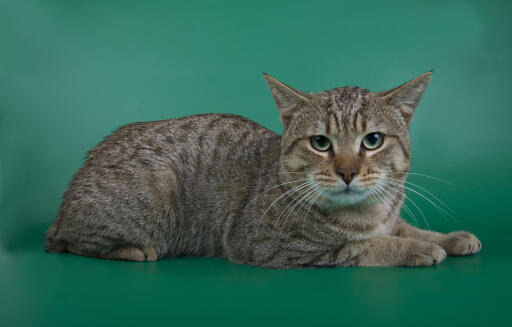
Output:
x=392 y=251
x=378 y=251
x=455 y=243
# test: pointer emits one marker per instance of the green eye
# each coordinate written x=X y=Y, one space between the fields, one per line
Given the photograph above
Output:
x=320 y=143
x=373 y=141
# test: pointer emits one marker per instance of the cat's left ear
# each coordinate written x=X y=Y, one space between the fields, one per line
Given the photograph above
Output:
x=406 y=97
x=287 y=98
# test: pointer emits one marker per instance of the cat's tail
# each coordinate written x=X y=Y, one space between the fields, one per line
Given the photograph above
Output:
x=51 y=242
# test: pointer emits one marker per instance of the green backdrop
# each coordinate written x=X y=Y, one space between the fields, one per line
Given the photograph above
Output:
x=73 y=71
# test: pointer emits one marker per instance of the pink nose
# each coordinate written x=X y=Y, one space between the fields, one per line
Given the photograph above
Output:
x=347 y=174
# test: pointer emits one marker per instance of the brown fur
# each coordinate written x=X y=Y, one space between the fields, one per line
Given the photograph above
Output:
x=222 y=185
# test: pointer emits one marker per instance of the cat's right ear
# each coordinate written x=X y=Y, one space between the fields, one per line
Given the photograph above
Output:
x=287 y=98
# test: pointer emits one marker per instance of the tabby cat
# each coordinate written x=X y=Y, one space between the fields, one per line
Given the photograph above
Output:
x=326 y=193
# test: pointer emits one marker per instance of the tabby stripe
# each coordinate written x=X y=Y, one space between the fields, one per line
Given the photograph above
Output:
x=354 y=121
x=402 y=146
x=337 y=120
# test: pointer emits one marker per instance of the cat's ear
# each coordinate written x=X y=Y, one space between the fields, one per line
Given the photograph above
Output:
x=406 y=97
x=287 y=98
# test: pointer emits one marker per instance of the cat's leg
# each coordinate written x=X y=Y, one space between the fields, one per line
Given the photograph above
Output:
x=128 y=253
x=454 y=243
x=389 y=251
x=132 y=254
x=378 y=251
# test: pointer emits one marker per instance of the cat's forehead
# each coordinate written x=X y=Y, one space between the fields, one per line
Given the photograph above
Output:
x=346 y=99
x=349 y=109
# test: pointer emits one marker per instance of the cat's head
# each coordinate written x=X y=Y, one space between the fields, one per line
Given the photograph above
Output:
x=348 y=144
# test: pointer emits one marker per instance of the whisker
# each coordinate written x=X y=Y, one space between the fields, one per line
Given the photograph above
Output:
x=285 y=172
x=292 y=190
x=321 y=193
x=273 y=187
x=379 y=198
x=385 y=194
x=294 y=203
x=314 y=194
x=417 y=174
x=440 y=209
x=425 y=190
x=407 y=209
x=293 y=172
x=303 y=201
x=411 y=200
x=382 y=192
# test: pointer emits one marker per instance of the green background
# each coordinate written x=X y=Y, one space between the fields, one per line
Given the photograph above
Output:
x=73 y=71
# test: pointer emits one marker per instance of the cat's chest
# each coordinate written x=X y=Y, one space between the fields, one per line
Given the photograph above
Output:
x=355 y=228
x=353 y=232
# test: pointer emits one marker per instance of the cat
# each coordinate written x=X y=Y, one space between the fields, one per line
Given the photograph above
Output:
x=327 y=193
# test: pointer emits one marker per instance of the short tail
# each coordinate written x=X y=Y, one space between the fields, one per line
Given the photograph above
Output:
x=51 y=242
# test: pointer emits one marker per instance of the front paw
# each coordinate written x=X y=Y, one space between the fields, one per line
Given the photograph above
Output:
x=461 y=243
x=424 y=254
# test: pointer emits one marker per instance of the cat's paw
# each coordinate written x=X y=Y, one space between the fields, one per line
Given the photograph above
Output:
x=424 y=255
x=132 y=254
x=461 y=243
x=150 y=254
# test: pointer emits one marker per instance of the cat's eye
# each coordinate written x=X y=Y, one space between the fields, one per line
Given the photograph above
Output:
x=320 y=142
x=373 y=141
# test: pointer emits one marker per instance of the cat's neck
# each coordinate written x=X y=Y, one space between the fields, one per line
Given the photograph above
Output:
x=359 y=222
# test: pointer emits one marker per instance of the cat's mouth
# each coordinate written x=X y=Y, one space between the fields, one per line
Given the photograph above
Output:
x=347 y=190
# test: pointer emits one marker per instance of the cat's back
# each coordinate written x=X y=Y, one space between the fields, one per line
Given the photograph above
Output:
x=203 y=137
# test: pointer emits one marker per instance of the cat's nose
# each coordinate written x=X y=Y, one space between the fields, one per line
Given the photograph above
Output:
x=347 y=174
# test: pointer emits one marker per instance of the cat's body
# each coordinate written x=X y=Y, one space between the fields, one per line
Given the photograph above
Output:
x=222 y=185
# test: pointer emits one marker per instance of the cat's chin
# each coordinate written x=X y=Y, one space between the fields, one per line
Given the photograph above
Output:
x=346 y=198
